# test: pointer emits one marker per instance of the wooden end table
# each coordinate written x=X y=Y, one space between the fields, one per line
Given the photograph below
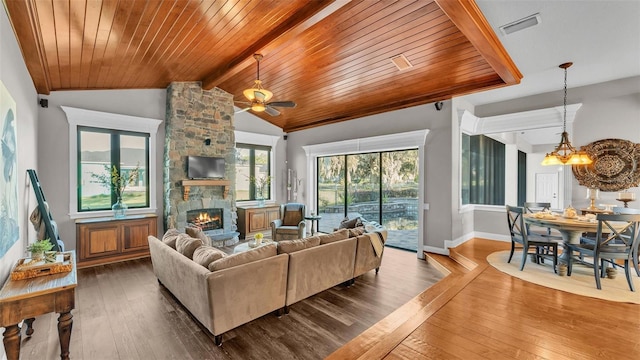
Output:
x=26 y=299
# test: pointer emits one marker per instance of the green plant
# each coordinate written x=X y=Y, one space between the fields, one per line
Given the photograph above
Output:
x=40 y=246
x=116 y=181
x=260 y=184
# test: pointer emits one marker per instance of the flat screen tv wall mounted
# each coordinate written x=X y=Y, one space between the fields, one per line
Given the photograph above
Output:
x=205 y=167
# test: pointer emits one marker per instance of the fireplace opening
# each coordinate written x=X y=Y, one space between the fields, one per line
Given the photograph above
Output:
x=206 y=219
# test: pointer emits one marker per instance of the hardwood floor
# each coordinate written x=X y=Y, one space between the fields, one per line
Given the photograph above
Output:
x=123 y=313
x=481 y=313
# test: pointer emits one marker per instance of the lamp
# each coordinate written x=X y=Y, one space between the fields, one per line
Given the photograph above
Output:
x=257 y=94
x=564 y=153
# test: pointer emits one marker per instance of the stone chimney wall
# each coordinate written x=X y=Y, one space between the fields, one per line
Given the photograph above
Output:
x=193 y=116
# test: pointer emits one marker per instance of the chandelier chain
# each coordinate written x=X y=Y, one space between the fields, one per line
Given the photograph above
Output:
x=564 y=121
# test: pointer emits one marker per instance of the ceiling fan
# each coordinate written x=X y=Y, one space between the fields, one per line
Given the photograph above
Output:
x=258 y=96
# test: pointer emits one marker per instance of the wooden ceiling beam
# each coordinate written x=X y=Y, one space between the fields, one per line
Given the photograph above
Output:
x=294 y=26
x=467 y=17
x=24 y=20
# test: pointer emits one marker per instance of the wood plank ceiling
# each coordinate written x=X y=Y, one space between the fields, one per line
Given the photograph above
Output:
x=331 y=57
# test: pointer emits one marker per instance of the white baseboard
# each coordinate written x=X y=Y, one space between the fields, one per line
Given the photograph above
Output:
x=491 y=236
x=461 y=240
x=436 y=250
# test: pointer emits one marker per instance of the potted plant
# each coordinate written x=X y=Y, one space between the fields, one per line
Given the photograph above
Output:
x=38 y=248
x=260 y=184
x=118 y=183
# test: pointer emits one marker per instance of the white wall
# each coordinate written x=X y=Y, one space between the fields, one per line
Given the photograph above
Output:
x=53 y=141
x=16 y=78
x=437 y=185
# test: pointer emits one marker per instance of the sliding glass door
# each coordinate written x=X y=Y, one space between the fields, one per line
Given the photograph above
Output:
x=380 y=187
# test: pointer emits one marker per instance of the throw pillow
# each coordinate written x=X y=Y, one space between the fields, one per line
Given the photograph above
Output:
x=334 y=236
x=289 y=246
x=348 y=224
x=197 y=233
x=170 y=237
x=246 y=257
x=186 y=245
x=205 y=255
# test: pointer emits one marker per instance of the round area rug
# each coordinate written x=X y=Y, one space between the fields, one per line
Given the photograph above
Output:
x=581 y=281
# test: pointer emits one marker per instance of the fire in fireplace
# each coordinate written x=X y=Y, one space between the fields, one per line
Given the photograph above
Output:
x=206 y=219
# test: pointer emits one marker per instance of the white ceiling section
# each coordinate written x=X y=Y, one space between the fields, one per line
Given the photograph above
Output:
x=601 y=38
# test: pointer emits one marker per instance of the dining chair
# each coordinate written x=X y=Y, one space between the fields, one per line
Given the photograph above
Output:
x=534 y=207
x=617 y=238
x=624 y=210
x=544 y=247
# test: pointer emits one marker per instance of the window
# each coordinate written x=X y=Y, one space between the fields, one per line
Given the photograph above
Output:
x=253 y=162
x=98 y=126
x=100 y=150
x=483 y=170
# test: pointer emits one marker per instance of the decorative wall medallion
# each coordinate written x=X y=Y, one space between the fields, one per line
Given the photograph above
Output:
x=616 y=165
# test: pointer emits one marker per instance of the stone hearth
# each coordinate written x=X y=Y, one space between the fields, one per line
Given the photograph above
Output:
x=195 y=118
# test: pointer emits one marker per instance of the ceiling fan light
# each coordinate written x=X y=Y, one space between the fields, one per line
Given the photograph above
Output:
x=250 y=94
x=257 y=107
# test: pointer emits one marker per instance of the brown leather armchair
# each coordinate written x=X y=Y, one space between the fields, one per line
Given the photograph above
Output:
x=291 y=224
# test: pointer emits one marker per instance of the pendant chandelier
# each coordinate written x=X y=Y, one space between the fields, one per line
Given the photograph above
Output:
x=257 y=95
x=564 y=153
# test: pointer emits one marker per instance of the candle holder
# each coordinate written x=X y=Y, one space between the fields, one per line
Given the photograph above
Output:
x=593 y=194
x=626 y=197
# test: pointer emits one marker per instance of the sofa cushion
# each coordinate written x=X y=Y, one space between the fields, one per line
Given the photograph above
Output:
x=335 y=236
x=356 y=231
x=197 y=233
x=186 y=245
x=205 y=255
x=170 y=237
x=288 y=230
x=289 y=246
x=256 y=254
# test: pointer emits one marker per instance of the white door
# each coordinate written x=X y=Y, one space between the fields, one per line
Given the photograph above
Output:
x=547 y=189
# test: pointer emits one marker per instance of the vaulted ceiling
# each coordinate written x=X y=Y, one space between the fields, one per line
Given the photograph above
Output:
x=331 y=57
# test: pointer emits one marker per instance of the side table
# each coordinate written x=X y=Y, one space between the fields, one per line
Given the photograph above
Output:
x=313 y=219
x=28 y=298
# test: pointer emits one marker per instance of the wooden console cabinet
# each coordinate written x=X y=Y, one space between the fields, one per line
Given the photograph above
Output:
x=253 y=219
x=105 y=240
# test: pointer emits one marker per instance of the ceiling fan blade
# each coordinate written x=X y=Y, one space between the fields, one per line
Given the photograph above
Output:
x=242 y=110
x=271 y=111
x=287 y=104
x=243 y=102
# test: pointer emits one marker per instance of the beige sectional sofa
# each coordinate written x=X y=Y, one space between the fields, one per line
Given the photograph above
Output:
x=238 y=288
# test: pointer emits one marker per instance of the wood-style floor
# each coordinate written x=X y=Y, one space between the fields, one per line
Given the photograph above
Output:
x=123 y=313
x=478 y=312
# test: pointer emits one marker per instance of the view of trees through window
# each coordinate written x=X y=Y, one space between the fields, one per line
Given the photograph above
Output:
x=100 y=150
x=252 y=162
x=380 y=187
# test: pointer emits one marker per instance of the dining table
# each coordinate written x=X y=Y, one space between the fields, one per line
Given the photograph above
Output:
x=571 y=229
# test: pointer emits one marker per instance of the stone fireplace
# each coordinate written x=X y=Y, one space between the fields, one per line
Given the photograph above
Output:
x=199 y=123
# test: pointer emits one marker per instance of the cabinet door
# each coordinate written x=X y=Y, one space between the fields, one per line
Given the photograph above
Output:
x=135 y=233
x=99 y=241
x=273 y=214
x=257 y=220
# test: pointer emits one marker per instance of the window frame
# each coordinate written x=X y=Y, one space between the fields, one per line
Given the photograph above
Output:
x=252 y=165
x=249 y=138
x=504 y=189
x=115 y=158
x=77 y=117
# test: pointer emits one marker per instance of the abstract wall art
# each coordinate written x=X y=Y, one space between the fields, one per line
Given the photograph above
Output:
x=9 y=229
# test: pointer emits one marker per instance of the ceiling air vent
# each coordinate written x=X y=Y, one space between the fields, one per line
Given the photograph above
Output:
x=401 y=62
x=526 y=22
